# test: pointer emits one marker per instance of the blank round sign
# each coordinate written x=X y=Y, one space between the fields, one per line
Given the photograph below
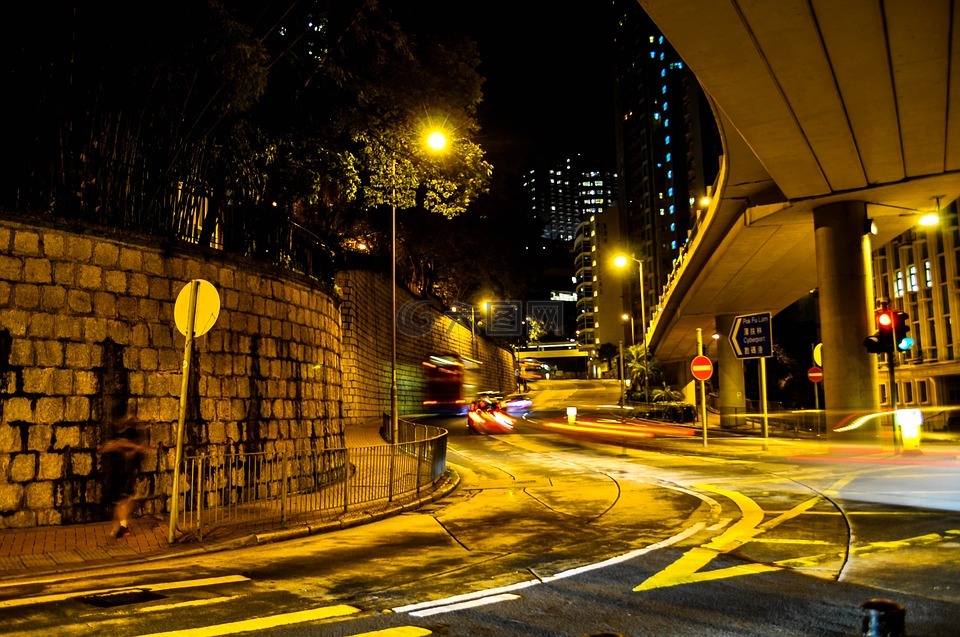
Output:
x=208 y=308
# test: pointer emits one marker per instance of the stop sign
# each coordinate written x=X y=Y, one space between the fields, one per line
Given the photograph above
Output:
x=702 y=368
x=815 y=374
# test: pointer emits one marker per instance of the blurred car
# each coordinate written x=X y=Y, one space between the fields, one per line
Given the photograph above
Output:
x=516 y=403
x=486 y=416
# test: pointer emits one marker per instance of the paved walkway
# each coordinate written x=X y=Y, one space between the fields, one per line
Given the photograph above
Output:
x=46 y=550
x=50 y=549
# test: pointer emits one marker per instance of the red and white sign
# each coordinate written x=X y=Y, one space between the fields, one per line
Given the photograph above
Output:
x=702 y=368
x=815 y=374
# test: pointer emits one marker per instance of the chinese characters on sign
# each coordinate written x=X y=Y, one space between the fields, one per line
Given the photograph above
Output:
x=751 y=336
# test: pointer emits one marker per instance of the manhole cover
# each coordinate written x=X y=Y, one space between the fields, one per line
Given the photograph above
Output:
x=120 y=598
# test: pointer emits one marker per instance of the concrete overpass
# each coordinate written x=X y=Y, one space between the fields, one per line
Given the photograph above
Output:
x=831 y=114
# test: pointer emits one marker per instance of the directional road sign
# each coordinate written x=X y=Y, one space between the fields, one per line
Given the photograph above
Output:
x=751 y=336
x=702 y=368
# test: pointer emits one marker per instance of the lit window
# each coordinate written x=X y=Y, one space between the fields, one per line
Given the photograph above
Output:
x=927 y=274
x=898 y=285
x=913 y=278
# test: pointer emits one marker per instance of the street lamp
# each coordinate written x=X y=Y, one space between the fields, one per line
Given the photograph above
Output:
x=436 y=141
x=620 y=262
x=625 y=317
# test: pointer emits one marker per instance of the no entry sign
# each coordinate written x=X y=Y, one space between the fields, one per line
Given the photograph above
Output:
x=815 y=374
x=702 y=368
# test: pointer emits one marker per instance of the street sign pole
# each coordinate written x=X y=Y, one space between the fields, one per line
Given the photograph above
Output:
x=703 y=391
x=763 y=401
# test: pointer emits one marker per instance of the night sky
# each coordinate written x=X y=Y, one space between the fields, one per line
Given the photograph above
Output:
x=548 y=89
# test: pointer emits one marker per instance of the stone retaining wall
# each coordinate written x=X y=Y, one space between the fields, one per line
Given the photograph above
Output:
x=87 y=332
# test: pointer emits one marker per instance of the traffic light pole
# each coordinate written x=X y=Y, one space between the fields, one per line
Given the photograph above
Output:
x=891 y=363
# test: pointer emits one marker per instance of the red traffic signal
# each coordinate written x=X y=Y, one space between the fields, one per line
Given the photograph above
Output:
x=882 y=339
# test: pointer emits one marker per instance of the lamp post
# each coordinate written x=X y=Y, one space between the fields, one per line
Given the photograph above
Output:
x=620 y=262
x=437 y=141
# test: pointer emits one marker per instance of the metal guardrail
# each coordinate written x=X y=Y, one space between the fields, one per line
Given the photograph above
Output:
x=268 y=489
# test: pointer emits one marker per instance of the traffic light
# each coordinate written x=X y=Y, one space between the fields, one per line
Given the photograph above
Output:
x=900 y=329
x=882 y=340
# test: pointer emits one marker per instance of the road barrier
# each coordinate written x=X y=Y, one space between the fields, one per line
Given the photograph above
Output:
x=267 y=489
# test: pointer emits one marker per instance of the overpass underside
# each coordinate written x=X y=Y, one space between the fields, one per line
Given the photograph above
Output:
x=834 y=117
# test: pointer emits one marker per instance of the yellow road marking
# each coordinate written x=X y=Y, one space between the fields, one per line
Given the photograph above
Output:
x=262 y=623
x=166 y=586
x=685 y=569
x=400 y=631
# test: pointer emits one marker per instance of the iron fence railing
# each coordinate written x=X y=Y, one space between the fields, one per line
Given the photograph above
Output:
x=269 y=489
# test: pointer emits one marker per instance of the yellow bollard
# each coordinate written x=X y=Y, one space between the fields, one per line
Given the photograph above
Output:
x=908 y=421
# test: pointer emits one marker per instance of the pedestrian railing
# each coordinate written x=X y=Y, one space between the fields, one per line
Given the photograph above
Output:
x=223 y=489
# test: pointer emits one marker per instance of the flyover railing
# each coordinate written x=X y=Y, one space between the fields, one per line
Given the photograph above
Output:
x=226 y=489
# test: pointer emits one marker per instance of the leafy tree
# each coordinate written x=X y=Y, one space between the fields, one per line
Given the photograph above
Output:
x=250 y=113
x=665 y=394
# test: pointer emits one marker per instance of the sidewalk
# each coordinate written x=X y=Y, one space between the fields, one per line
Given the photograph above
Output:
x=55 y=549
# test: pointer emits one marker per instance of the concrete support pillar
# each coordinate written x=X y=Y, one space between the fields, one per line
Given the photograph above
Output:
x=733 y=399
x=845 y=281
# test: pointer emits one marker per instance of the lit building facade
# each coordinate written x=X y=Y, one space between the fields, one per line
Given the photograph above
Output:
x=919 y=273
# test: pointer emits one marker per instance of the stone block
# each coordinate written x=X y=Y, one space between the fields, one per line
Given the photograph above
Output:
x=11 y=496
x=105 y=304
x=23 y=467
x=26 y=242
x=79 y=302
x=81 y=463
x=37 y=271
x=38 y=495
x=53 y=298
x=53 y=245
x=49 y=411
x=85 y=383
x=90 y=277
x=67 y=435
x=62 y=382
x=130 y=259
x=49 y=353
x=105 y=254
x=42 y=325
x=39 y=437
x=38 y=380
x=26 y=296
x=51 y=466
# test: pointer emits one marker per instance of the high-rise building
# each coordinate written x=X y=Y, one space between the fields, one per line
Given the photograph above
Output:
x=566 y=193
x=667 y=149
